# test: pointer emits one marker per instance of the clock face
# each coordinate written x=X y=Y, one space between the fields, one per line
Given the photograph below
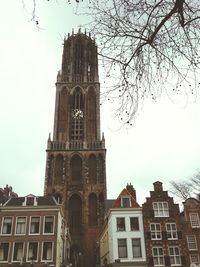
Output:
x=77 y=114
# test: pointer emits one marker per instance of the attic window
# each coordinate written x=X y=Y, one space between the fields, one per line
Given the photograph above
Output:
x=30 y=201
x=125 y=202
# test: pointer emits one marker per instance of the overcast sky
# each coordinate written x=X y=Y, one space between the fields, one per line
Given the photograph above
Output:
x=163 y=144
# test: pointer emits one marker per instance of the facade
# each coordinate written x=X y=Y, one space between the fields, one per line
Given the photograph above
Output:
x=122 y=238
x=32 y=231
x=163 y=230
x=191 y=228
x=75 y=167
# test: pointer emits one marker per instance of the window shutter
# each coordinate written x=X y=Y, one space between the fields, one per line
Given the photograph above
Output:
x=167 y=261
x=183 y=260
x=164 y=235
x=180 y=235
x=150 y=260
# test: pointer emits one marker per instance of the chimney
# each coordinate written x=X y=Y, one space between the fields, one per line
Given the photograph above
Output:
x=131 y=190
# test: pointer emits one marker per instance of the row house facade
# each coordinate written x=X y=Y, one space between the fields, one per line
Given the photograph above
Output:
x=32 y=232
x=191 y=228
x=156 y=234
x=163 y=230
x=122 y=238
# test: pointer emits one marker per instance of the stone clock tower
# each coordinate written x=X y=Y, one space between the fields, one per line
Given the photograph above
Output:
x=75 y=167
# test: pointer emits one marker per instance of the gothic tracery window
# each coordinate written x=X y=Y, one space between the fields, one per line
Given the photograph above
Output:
x=91 y=113
x=92 y=209
x=77 y=115
x=76 y=168
x=58 y=172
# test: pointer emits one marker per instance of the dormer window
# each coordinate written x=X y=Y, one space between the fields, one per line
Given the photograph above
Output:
x=125 y=202
x=30 y=200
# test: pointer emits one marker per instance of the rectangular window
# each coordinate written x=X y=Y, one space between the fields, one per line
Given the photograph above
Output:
x=122 y=248
x=125 y=202
x=6 y=226
x=160 y=209
x=171 y=231
x=134 y=223
x=192 y=243
x=121 y=224
x=47 y=251
x=194 y=220
x=18 y=251
x=174 y=256
x=35 y=225
x=155 y=231
x=20 y=225
x=136 y=247
x=4 y=248
x=194 y=258
x=32 y=254
x=48 y=224
x=158 y=257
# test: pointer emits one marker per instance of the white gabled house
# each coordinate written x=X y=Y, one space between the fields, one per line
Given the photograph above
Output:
x=122 y=237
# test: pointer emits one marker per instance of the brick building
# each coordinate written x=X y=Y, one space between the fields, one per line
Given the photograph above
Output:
x=32 y=231
x=75 y=168
x=163 y=230
x=191 y=229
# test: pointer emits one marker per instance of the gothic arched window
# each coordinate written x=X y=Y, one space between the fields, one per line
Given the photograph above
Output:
x=62 y=111
x=77 y=115
x=75 y=213
x=92 y=206
x=58 y=172
x=101 y=170
x=92 y=166
x=76 y=168
x=91 y=114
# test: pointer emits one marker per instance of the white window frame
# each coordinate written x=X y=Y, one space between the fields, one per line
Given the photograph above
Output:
x=20 y=260
x=118 y=229
x=27 y=258
x=4 y=242
x=192 y=242
x=35 y=216
x=192 y=258
x=138 y=222
x=158 y=258
x=2 y=225
x=172 y=232
x=51 y=233
x=161 y=209
x=194 y=221
x=129 y=201
x=52 y=250
x=139 y=246
x=24 y=226
x=125 y=248
x=156 y=232
x=175 y=256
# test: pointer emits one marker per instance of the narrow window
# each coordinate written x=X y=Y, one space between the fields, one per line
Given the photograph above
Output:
x=18 y=251
x=92 y=164
x=120 y=224
x=122 y=248
x=136 y=247
x=174 y=256
x=194 y=220
x=76 y=168
x=92 y=210
x=158 y=257
x=35 y=225
x=134 y=223
x=7 y=225
x=21 y=225
x=155 y=231
x=48 y=224
x=4 y=248
x=125 y=202
x=47 y=253
x=192 y=243
x=171 y=231
x=32 y=251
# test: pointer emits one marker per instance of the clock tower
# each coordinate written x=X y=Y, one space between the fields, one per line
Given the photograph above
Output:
x=75 y=166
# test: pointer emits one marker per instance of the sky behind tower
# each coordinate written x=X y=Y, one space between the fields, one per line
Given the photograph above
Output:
x=162 y=145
